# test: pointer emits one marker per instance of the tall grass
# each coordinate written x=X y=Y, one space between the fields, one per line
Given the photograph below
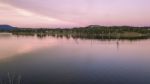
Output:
x=11 y=78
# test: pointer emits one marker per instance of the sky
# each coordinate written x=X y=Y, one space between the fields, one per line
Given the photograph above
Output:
x=72 y=13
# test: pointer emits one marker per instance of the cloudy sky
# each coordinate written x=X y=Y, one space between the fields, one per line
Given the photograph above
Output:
x=69 y=13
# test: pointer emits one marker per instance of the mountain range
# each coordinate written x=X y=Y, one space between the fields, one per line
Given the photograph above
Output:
x=6 y=27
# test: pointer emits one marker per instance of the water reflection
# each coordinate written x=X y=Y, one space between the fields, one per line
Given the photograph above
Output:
x=83 y=36
x=12 y=45
x=61 y=60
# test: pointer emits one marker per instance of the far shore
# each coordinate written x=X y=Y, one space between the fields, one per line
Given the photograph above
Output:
x=91 y=32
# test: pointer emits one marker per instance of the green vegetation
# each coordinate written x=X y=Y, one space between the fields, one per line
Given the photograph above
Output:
x=90 y=32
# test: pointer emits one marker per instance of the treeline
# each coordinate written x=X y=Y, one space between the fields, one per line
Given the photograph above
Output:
x=91 y=31
x=87 y=30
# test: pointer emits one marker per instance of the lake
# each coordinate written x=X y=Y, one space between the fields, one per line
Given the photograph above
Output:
x=52 y=60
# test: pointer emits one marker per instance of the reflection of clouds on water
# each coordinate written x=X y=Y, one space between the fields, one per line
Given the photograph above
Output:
x=14 y=45
x=119 y=49
x=57 y=59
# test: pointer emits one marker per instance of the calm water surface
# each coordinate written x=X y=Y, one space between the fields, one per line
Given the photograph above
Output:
x=53 y=60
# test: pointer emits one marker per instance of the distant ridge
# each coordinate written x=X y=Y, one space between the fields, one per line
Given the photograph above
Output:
x=6 y=27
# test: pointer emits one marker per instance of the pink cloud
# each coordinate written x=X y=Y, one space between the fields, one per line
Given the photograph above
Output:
x=84 y=12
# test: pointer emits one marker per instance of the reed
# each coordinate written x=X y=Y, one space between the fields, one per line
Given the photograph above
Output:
x=11 y=78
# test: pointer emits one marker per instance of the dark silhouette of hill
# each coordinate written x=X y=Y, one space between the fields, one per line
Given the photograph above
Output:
x=7 y=27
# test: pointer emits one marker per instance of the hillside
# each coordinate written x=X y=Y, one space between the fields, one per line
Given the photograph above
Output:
x=6 y=27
